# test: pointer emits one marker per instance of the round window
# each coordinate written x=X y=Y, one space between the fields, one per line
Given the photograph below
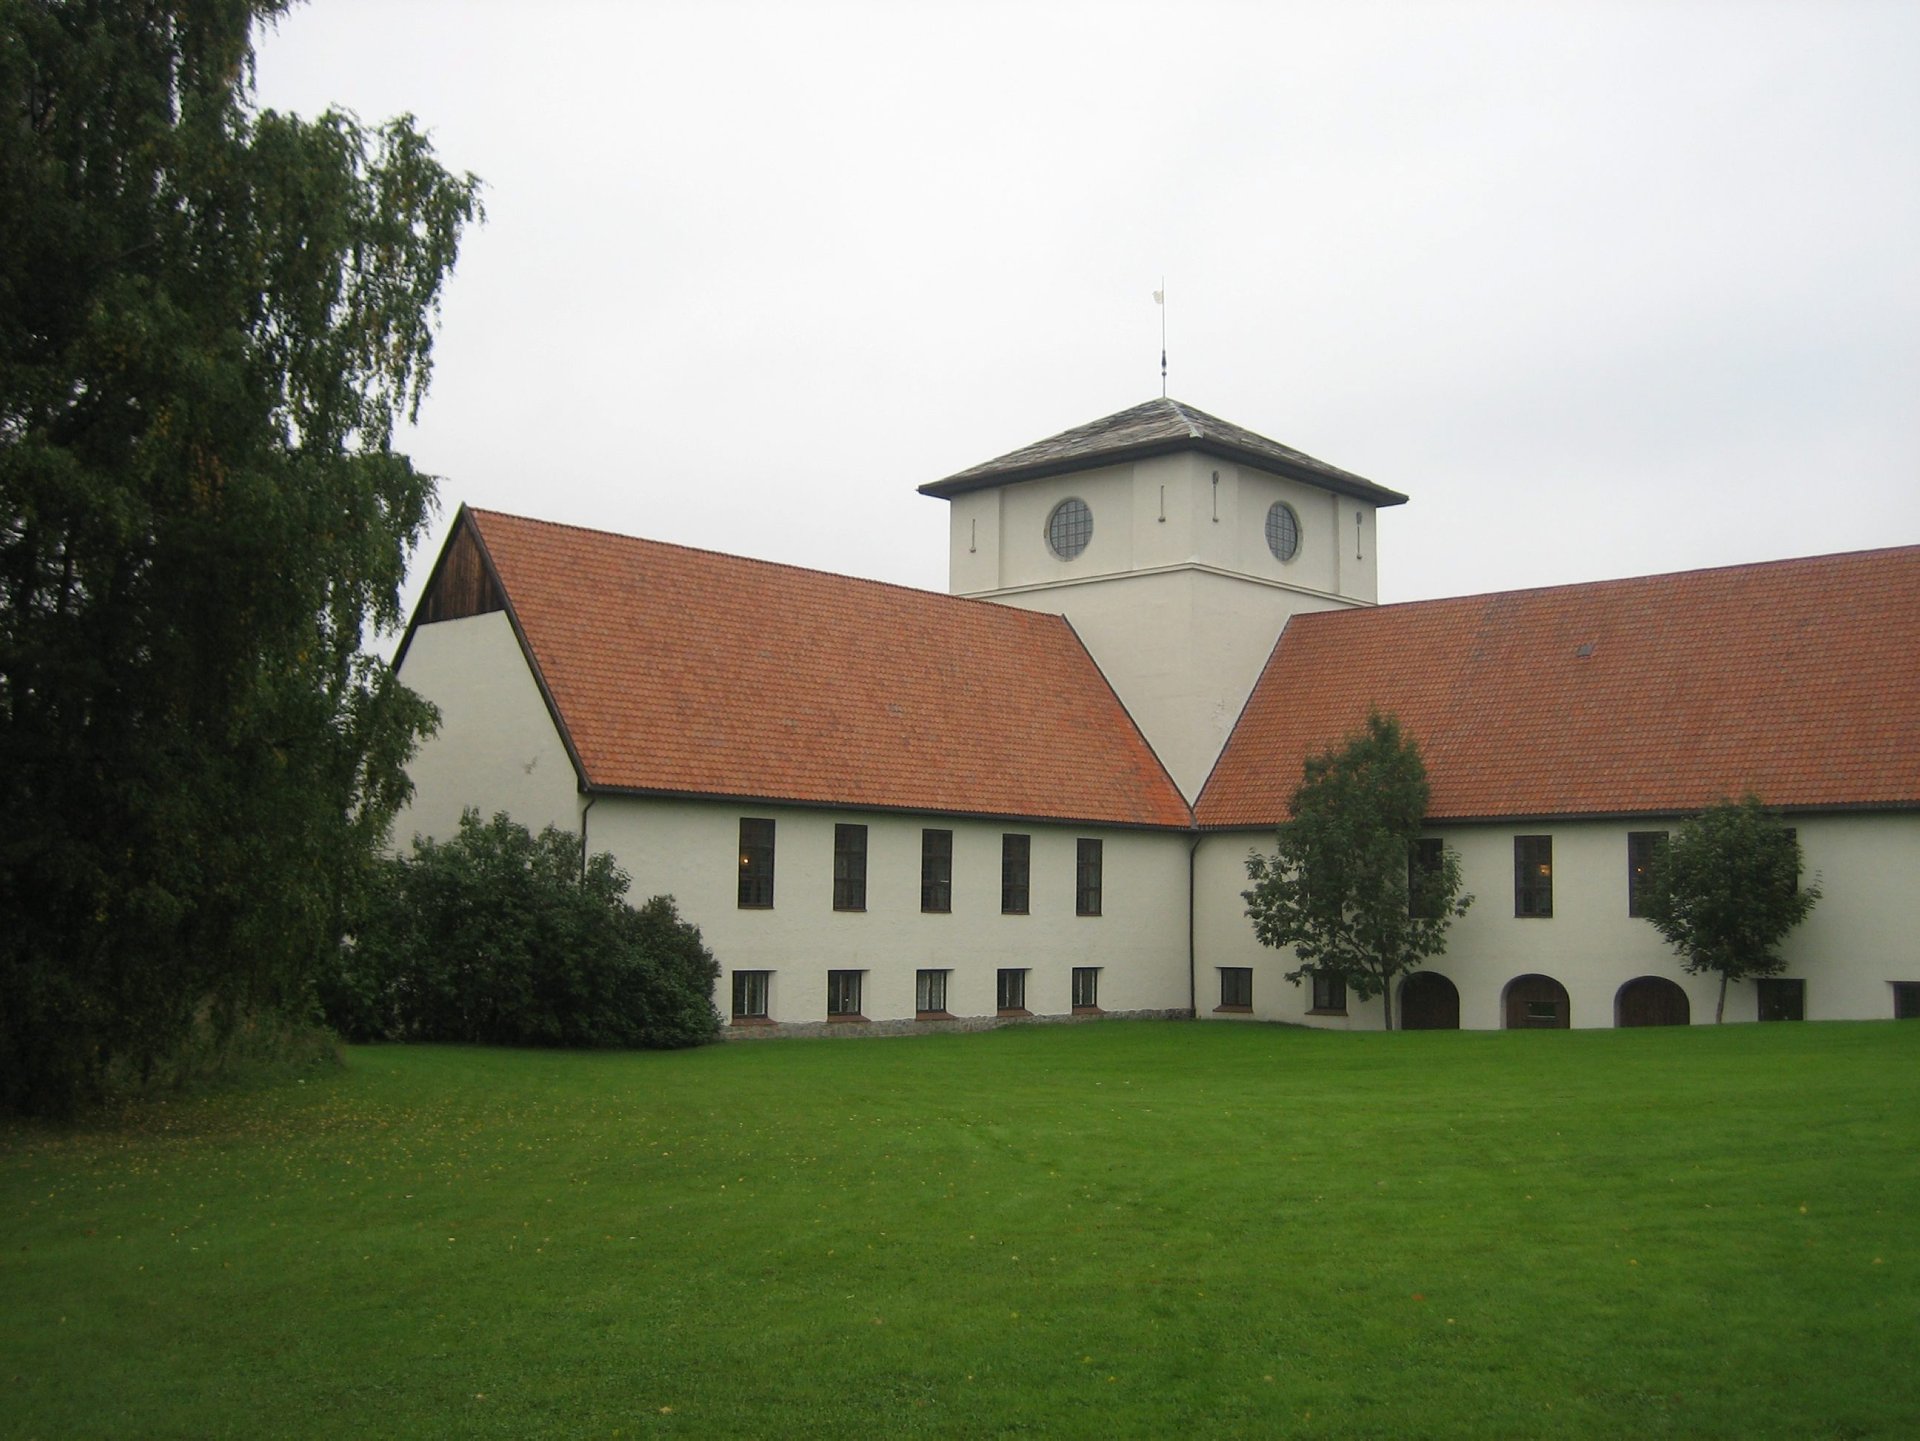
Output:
x=1283 y=531
x=1069 y=528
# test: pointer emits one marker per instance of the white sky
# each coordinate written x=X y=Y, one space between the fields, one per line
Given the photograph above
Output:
x=1608 y=288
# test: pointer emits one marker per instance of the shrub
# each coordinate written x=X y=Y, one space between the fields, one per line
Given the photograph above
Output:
x=502 y=937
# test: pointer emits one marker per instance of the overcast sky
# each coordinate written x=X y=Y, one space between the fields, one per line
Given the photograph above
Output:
x=1606 y=288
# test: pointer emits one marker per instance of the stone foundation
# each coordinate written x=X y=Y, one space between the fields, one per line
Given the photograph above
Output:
x=814 y=1030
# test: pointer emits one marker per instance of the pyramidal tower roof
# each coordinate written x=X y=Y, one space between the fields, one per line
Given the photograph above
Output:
x=1158 y=427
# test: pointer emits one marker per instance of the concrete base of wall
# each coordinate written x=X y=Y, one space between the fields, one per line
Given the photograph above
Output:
x=850 y=1030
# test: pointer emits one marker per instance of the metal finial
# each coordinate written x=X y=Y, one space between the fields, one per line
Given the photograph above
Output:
x=1160 y=299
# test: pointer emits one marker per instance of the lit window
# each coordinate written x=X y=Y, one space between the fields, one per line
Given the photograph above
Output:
x=756 y=864
x=1533 y=876
x=1069 y=528
x=1642 y=846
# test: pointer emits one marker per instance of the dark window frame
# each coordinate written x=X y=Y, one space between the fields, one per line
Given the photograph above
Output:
x=1329 y=995
x=1780 y=998
x=930 y=992
x=750 y=987
x=1533 y=877
x=1070 y=528
x=1283 y=531
x=844 y=995
x=1642 y=847
x=1236 y=988
x=1906 y=1000
x=1425 y=857
x=756 y=863
x=1010 y=991
x=849 y=866
x=1016 y=873
x=1089 y=875
x=1086 y=989
x=936 y=871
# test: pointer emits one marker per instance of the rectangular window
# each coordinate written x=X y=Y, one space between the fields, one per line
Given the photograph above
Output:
x=1016 y=853
x=750 y=995
x=936 y=870
x=1086 y=985
x=1086 y=878
x=1329 y=994
x=1236 y=988
x=1533 y=875
x=1906 y=1000
x=930 y=992
x=1011 y=992
x=756 y=864
x=1782 y=1000
x=1642 y=847
x=1425 y=857
x=843 y=995
x=849 y=868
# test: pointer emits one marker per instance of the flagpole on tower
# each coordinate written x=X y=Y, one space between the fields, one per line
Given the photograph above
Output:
x=1160 y=299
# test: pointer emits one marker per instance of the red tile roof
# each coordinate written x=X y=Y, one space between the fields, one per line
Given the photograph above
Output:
x=690 y=672
x=1798 y=680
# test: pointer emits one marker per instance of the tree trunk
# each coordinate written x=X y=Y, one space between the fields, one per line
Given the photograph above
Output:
x=1720 y=1010
x=1386 y=995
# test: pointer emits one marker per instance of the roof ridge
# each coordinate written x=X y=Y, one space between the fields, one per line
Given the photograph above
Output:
x=1607 y=582
x=1194 y=432
x=734 y=557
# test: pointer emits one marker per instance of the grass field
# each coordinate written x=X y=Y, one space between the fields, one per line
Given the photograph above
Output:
x=1112 y=1230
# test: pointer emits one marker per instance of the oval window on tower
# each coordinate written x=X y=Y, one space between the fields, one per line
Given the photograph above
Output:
x=1069 y=528
x=1283 y=531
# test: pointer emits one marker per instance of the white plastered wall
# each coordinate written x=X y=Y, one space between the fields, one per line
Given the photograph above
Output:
x=496 y=749
x=1863 y=935
x=690 y=849
x=1177 y=596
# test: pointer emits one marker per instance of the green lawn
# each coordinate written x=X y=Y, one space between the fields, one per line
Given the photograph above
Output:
x=1108 y=1230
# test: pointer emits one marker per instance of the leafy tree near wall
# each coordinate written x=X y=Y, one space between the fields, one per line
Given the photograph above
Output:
x=1725 y=891
x=1344 y=889
x=211 y=318
x=501 y=937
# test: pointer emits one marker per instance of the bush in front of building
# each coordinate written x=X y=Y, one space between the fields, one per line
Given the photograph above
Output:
x=502 y=937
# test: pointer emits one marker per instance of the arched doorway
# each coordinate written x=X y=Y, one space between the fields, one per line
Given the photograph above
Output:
x=1429 y=1002
x=1651 y=1001
x=1537 y=1003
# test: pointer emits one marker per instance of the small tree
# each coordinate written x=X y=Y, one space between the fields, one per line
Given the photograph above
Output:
x=1725 y=890
x=1347 y=889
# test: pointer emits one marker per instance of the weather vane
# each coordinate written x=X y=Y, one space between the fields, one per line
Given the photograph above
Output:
x=1160 y=299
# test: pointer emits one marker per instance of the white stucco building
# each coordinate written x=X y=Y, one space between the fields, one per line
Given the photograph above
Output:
x=887 y=808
